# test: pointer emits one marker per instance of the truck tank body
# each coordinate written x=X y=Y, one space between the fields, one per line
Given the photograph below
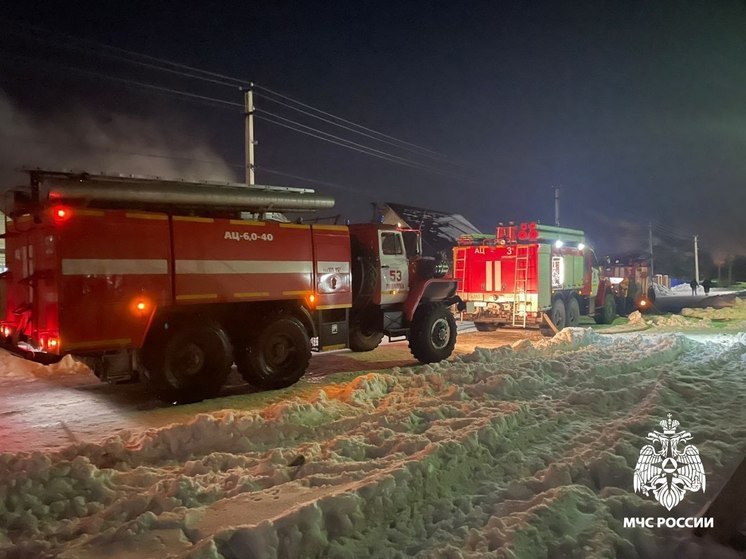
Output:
x=92 y=279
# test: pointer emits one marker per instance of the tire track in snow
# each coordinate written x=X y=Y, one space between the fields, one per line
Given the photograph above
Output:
x=453 y=456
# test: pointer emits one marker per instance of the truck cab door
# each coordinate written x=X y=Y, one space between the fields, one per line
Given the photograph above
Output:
x=394 y=267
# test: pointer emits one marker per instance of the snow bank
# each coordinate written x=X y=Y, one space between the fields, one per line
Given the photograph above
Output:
x=736 y=312
x=17 y=369
x=662 y=290
x=522 y=451
x=733 y=317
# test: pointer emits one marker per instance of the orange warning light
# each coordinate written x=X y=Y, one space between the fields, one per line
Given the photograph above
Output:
x=140 y=306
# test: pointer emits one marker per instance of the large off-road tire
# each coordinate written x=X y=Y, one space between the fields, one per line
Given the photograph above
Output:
x=607 y=313
x=188 y=363
x=278 y=356
x=558 y=313
x=573 y=312
x=362 y=339
x=485 y=326
x=432 y=335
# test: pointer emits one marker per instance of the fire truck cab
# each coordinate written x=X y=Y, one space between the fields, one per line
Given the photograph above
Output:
x=174 y=282
x=527 y=273
x=396 y=293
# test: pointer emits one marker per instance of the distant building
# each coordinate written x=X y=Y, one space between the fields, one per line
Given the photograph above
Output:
x=635 y=268
x=439 y=230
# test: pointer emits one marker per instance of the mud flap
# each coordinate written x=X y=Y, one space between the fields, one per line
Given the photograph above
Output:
x=552 y=328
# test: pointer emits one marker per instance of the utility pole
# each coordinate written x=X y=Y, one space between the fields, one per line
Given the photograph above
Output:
x=249 y=105
x=696 y=259
x=650 y=249
x=556 y=205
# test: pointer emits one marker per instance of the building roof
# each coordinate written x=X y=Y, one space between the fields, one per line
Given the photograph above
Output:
x=439 y=230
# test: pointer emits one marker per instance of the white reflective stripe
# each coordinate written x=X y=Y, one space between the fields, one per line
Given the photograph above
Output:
x=498 y=278
x=243 y=267
x=488 y=274
x=112 y=266
x=332 y=267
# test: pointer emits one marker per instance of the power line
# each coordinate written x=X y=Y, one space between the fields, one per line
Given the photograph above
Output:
x=311 y=180
x=207 y=75
x=222 y=103
x=366 y=151
x=192 y=72
x=181 y=158
x=351 y=129
x=89 y=50
x=302 y=104
x=671 y=232
x=372 y=150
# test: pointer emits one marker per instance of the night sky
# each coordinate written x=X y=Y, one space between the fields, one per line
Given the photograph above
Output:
x=636 y=108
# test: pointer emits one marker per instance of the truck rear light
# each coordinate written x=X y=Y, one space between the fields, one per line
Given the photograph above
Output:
x=49 y=343
x=61 y=214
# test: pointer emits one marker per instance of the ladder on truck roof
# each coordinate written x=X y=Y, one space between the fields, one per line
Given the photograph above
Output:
x=521 y=285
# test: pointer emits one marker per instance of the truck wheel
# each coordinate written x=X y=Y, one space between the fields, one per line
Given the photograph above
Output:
x=278 y=356
x=362 y=339
x=485 y=326
x=573 y=312
x=189 y=363
x=607 y=313
x=558 y=314
x=432 y=335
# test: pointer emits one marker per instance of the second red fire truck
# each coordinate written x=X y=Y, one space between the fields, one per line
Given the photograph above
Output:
x=176 y=281
x=529 y=272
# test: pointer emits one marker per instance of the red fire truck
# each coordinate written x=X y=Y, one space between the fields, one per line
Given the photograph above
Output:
x=524 y=273
x=175 y=282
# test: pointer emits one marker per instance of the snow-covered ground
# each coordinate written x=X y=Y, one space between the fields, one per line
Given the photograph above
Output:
x=518 y=451
x=685 y=289
x=731 y=318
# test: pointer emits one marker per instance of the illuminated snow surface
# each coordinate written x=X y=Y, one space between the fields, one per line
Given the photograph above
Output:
x=520 y=451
